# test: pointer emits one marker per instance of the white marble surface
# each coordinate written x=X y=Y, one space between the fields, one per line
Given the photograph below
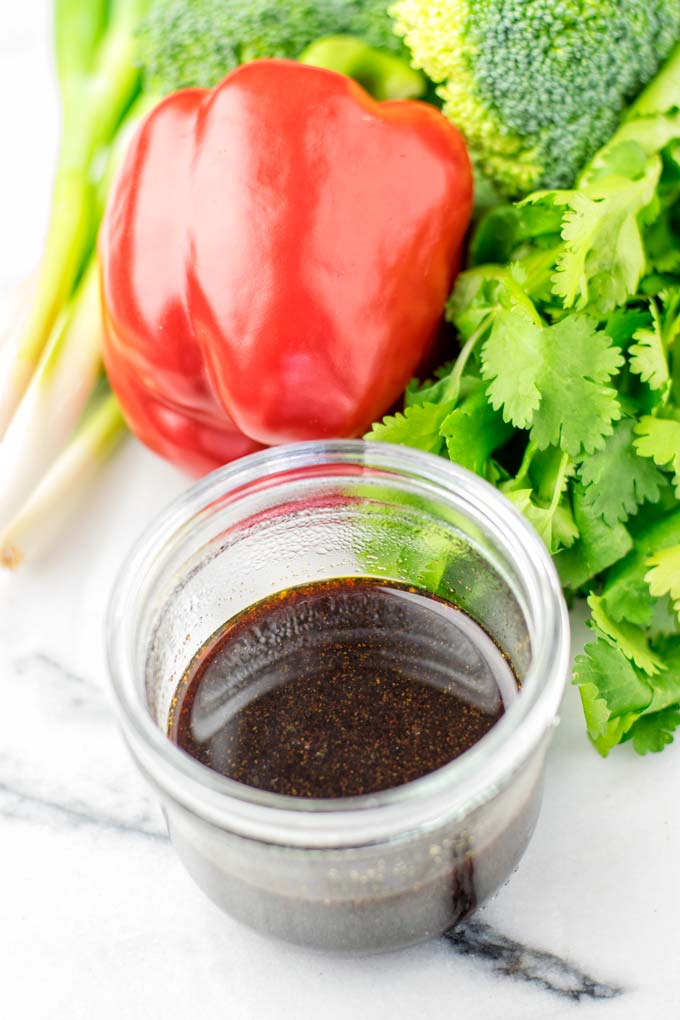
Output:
x=97 y=917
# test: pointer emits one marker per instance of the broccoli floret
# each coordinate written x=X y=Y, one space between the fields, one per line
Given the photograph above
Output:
x=537 y=86
x=196 y=42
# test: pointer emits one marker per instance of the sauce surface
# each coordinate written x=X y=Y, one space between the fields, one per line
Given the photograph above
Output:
x=340 y=688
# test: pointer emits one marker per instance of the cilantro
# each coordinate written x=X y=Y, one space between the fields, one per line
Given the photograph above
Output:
x=626 y=595
x=602 y=257
x=620 y=704
x=664 y=622
x=630 y=639
x=612 y=692
x=546 y=506
x=616 y=480
x=623 y=324
x=664 y=576
x=555 y=523
x=659 y=438
x=418 y=426
x=654 y=729
x=552 y=379
x=653 y=732
x=431 y=392
x=473 y=431
x=599 y=545
x=648 y=356
x=663 y=244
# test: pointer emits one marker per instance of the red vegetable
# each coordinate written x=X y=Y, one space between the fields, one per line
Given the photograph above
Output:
x=276 y=255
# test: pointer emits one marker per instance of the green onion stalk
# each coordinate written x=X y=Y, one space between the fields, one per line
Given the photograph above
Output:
x=60 y=490
x=95 y=46
x=67 y=371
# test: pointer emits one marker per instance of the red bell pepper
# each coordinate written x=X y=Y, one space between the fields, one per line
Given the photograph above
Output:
x=276 y=255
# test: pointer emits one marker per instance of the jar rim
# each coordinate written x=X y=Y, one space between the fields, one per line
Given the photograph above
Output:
x=348 y=821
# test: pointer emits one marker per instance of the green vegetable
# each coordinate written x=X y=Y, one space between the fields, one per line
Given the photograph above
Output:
x=98 y=78
x=537 y=86
x=553 y=380
x=54 y=400
x=566 y=395
x=196 y=42
x=60 y=490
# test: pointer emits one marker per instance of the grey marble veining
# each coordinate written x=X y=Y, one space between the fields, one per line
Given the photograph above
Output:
x=511 y=959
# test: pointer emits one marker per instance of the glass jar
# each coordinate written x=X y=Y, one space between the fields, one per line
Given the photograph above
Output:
x=358 y=873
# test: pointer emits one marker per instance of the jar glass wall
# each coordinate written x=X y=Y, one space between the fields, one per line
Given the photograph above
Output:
x=362 y=873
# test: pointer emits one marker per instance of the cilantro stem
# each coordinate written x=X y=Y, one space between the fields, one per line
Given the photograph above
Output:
x=529 y=453
x=560 y=482
x=452 y=391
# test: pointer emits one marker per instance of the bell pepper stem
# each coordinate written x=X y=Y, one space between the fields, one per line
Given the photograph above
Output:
x=382 y=74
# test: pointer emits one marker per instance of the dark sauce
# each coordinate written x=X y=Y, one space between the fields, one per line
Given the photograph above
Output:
x=340 y=688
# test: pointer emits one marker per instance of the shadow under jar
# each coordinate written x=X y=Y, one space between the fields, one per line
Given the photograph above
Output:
x=355 y=873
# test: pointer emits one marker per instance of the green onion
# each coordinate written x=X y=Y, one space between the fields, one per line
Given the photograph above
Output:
x=60 y=491
x=98 y=80
x=55 y=398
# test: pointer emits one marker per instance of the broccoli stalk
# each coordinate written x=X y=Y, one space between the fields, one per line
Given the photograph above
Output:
x=537 y=86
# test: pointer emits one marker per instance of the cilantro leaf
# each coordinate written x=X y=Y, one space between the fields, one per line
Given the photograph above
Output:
x=619 y=704
x=631 y=640
x=475 y=298
x=617 y=481
x=626 y=594
x=623 y=324
x=653 y=732
x=654 y=729
x=505 y=227
x=418 y=426
x=666 y=685
x=662 y=244
x=626 y=597
x=659 y=438
x=433 y=391
x=648 y=356
x=511 y=360
x=473 y=430
x=552 y=379
x=545 y=503
x=599 y=545
x=603 y=256
x=664 y=622
x=481 y=293
x=612 y=692
x=664 y=576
